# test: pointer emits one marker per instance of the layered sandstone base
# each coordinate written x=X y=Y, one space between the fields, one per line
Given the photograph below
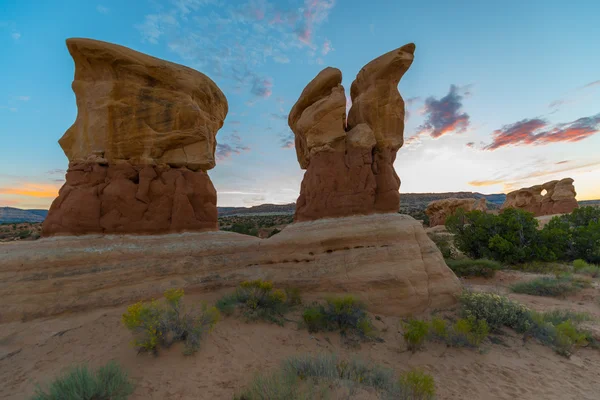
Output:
x=387 y=260
x=125 y=198
x=341 y=184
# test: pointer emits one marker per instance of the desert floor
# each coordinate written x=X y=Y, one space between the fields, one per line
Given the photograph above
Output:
x=36 y=351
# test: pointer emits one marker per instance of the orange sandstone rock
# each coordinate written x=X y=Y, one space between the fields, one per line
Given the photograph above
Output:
x=439 y=210
x=559 y=198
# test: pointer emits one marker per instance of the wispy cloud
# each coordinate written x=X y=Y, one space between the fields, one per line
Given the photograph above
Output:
x=286 y=139
x=23 y=98
x=538 y=131
x=235 y=41
x=102 y=9
x=486 y=183
x=445 y=115
x=231 y=144
x=591 y=84
x=470 y=144
x=575 y=95
x=15 y=35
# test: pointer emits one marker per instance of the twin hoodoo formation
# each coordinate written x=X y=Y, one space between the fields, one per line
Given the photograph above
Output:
x=145 y=137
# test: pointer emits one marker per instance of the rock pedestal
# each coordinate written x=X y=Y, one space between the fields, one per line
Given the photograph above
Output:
x=349 y=164
x=140 y=147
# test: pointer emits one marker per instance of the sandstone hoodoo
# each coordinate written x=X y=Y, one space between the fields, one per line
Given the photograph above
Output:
x=349 y=164
x=559 y=198
x=138 y=152
x=439 y=210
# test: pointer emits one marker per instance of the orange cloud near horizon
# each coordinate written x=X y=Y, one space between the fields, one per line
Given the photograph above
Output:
x=486 y=183
x=28 y=189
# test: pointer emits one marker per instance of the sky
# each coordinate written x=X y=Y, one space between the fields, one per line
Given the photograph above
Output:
x=501 y=95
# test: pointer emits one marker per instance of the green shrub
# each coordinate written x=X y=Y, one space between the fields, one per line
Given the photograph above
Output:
x=542 y=267
x=579 y=264
x=346 y=314
x=439 y=328
x=567 y=337
x=551 y=287
x=109 y=382
x=496 y=310
x=415 y=333
x=468 y=332
x=154 y=324
x=466 y=267
x=258 y=299
x=443 y=242
x=418 y=385
x=317 y=377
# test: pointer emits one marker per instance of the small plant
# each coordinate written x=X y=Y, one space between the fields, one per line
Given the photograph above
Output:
x=496 y=310
x=109 y=382
x=154 y=324
x=418 y=385
x=579 y=264
x=346 y=314
x=552 y=287
x=567 y=337
x=439 y=328
x=415 y=333
x=468 y=332
x=481 y=267
x=258 y=299
x=443 y=242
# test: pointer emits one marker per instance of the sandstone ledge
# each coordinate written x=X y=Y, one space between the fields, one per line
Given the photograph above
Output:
x=385 y=259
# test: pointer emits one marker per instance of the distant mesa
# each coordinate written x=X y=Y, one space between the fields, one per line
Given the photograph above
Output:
x=349 y=164
x=559 y=198
x=439 y=210
x=138 y=152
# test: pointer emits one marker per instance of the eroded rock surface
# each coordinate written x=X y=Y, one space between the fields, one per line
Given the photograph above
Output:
x=387 y=260
x=559 y=198
x=439 y=210
x=140 y=147
x=349 y=167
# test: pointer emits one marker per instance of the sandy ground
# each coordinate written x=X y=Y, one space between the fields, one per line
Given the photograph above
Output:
x=35 y=351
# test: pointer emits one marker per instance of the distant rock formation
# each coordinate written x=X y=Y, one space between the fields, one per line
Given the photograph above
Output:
x=386 y=260
x=558 y=199
x=349 y=164
x=140 y=147
x=439 y=210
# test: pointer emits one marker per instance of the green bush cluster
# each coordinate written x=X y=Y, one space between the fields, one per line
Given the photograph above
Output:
x=317 y=377
x=468 y=268
x=582 y=267
x=155 y=324
x=444 y=243
x=465 y=332
x=259 y=299
x=551 y=286
x=557 y=329
x=108 y=382
x=513 y=236
x=346 y=314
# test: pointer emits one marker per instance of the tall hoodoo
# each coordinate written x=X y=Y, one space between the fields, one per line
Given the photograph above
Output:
x=349 y=166
x=138 y=152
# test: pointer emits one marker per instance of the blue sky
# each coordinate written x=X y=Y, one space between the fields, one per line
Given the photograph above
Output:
x=501 y=94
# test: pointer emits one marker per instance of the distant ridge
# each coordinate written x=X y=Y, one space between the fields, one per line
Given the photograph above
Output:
x=10 y=214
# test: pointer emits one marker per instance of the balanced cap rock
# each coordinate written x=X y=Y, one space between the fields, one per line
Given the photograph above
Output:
x=138 y=152
x=349 y=164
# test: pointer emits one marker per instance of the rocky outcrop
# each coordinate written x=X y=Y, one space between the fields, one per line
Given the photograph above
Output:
x=349 y=166
x=439 y=210
x=125 y=198
x=387 y=260
x=140 y=147
x=554 y=197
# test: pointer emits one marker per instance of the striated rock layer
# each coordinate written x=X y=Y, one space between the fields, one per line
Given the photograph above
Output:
x=140 y=147
x=439 y=210
x=349 y=165
x=558 y=199
x=386 y=260
x=125 y=198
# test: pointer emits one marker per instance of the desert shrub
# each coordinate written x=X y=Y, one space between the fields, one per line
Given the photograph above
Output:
x=346 y=314
x=567 y=337
x=579 y=264
x=496 y=310
x=438 y=328
x=418 y=385
x=415 y=333
x=259 y=299
x=468 y=332
x=466 y=267
x=108 y=382
x=509 y=237
x=557 y=330
x=155 y=324
x=549 y=286
x=542 y=267
x=582 y=267
x=317 y=377
x=443 y=242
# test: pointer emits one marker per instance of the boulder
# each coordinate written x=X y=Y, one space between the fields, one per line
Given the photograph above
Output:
x=439 y=210
x=553 y=197
x=144 y=137
x=349 y=166
x=386 y=260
